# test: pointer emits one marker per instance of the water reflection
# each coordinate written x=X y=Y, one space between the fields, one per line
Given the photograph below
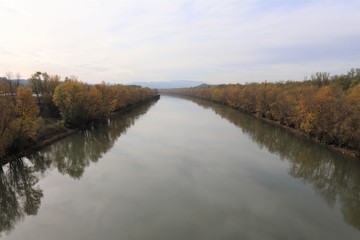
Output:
x=333 y=177
x=75 y=153
x=195 y=196
x=19 y=193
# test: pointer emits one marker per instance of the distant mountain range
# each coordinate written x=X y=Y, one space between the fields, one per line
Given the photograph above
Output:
x=169 y=84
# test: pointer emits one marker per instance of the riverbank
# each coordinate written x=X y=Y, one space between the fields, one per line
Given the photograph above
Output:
x=58 y=133
x=39 y=144
x=128 y=108
x=351 y=154
x=343 y=151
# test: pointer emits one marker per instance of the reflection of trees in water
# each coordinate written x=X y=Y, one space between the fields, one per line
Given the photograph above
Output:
x=72 y=155
x=19 y=193
x=333 y=177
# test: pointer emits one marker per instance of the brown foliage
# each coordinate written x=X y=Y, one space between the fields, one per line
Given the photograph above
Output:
x=78 y=103
x=325 y=108
x=81 y=104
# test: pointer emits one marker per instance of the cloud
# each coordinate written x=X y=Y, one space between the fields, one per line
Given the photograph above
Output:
x=8 y=53
x=158 y=40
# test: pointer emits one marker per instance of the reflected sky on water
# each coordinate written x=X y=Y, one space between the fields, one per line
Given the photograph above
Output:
x=180 y=169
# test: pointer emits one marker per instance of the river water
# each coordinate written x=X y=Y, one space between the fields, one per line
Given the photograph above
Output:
x=181 y=169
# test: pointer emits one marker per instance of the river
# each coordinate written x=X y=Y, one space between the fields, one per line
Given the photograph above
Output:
x=181 y=169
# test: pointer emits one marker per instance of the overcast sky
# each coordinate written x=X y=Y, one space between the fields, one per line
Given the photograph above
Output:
x=215 y=41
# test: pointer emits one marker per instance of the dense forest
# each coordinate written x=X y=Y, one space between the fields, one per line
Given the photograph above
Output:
x=324 y=108
x=47 y=105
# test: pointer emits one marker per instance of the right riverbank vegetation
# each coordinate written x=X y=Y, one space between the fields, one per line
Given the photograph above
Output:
x=47 y=107
x=323 y=108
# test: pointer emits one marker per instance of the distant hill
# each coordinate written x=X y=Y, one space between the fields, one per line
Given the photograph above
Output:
x=169 y=84
x=204 y=85
x=21 y=81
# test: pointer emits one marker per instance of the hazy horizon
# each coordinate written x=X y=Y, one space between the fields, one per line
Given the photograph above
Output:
x=158 y=41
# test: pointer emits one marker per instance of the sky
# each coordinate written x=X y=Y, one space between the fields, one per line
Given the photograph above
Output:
x=213 y=41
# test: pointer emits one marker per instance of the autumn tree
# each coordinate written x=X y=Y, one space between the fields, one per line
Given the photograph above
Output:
x=78 y=103
x=81 y=104
x=25 y=125
x=326 y=108
x=8 y=88
x=350 y=133
x=7 y=115
x=19 y=121
x=70 y=98
x=329 y=113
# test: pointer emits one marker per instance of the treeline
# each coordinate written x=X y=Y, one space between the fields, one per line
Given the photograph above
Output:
x=27 y=110
x=326 y=108
x=80 y=103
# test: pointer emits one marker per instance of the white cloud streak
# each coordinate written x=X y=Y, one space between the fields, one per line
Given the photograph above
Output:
x=157 y=40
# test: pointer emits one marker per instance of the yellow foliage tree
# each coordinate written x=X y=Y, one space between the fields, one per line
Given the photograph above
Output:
x=70 y=98
x=27 y=110
x=351 y=124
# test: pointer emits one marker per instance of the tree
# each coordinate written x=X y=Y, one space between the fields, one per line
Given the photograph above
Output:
x=328 y=116
x=37 y=83
x=11 y=85
x=6 y=117
x=321 y=78
x=26 y=123
x=70 y=98
x=351 y=125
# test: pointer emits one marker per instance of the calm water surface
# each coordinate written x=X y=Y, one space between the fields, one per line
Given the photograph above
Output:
x=181 y=169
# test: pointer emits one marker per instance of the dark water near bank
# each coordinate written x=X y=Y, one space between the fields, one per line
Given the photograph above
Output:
x=180 y=169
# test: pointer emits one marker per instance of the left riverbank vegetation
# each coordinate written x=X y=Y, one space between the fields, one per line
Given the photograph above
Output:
x=324 y=108
x=21 y=195
x=46 y=106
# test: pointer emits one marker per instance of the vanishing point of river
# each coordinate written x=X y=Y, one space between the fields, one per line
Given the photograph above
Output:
x=181 y=169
